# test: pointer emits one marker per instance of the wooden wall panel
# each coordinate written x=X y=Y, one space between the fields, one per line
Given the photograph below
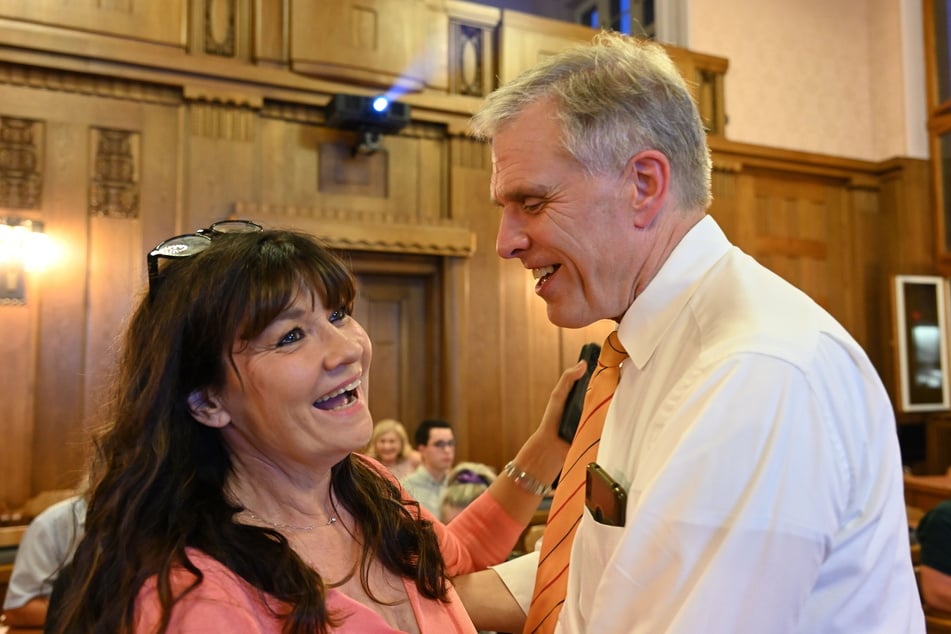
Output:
x=484 y=432
x=524 y=40
x=288 y=154
x=220 y=163
x=514 y=351
x=162 y=22
x=905 y=229
x=18 y=347
x=270 y=37
x=60 y=389
x=116 y=273
x=460 y=332
x=382 y=43
x=292 y=169
x=797 y=233
x=393 y=308
x=871 y=263
x=86 y=295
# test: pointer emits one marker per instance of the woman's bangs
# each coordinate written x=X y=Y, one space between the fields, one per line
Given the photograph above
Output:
x=331 y=282
x=274 y=288
x=269 y=294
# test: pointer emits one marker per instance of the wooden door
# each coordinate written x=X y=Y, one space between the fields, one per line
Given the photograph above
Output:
x=399 y=311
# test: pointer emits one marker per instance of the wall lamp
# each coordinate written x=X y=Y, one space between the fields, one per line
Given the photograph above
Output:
x=369 y=117
x=24 y=247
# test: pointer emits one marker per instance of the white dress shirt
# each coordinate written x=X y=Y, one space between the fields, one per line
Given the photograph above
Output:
x=759 y=452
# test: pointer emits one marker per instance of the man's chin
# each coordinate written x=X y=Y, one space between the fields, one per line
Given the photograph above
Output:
x=567 y=318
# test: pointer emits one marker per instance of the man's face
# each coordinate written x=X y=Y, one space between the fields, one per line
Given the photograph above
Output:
x=573 y=231
x=440 y=452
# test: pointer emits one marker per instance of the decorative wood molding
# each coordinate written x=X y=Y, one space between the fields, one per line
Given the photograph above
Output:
x=220 y=27
x=472 y=52
x=334 y=72
x=213 y=94
x=727 y=165
x=21 y=163
x=305 y=113
x=85 y=84
x=216 y=121
x=732 y=156
x=367 y=231
x=215 y=113
x=467 y=63
x=115 y=5
x=114 y=181
x=287 y=111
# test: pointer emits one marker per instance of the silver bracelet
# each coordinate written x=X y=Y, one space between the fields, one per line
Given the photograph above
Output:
x=524 y=481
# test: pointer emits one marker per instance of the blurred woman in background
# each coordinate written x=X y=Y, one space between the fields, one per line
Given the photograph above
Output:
x=389 y=444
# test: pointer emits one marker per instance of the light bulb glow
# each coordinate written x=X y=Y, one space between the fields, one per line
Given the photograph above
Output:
x=20 y=245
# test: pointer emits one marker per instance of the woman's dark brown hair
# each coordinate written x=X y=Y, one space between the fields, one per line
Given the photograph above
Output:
x=159 y=481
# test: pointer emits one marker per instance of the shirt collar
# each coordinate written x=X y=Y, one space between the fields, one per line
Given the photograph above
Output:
x=656 y=308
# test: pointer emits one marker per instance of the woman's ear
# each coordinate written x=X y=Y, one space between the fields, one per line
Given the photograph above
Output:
x=206 y=409
x=648 y=174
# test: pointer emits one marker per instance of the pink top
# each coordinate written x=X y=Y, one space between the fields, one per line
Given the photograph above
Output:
x=482 y=535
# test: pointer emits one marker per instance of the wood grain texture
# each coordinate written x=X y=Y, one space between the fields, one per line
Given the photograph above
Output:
x=460 y=332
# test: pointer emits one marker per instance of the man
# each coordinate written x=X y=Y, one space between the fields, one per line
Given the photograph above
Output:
x=751 y=433
x=934 y=535
x=437 y=451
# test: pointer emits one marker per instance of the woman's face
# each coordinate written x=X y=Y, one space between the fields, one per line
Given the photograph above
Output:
x=299 y=396
x=388 y=446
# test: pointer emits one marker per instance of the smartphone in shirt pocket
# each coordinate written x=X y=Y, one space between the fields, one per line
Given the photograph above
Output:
x=604 y=497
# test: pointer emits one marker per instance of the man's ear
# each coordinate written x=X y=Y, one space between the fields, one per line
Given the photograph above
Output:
x=648 y=174
x=207 y=410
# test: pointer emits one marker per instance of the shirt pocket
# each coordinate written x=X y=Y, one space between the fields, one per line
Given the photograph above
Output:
x=593 y=554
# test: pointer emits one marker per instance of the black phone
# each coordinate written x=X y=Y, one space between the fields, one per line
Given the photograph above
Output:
x=604 y=497
x=575 y=401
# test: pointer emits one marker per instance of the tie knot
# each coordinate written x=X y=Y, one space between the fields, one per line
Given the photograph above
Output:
x=612 y=352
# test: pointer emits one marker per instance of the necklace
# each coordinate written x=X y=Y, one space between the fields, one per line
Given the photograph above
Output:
x=293 y=527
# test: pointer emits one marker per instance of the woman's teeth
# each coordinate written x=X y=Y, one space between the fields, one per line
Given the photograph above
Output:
x=338 y=398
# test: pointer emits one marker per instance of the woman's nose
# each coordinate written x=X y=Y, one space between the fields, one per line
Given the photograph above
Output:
x=346 y=348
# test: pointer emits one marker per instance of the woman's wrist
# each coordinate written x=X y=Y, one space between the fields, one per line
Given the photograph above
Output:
x=542 y=456
x=526 y=481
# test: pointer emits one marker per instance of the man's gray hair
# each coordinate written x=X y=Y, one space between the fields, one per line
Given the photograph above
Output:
x=615 y=97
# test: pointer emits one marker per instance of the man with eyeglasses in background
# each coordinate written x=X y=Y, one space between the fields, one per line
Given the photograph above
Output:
x=437 y=451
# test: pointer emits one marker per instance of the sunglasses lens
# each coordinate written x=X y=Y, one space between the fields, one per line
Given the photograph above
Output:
x=181 y=246
x=235 y=226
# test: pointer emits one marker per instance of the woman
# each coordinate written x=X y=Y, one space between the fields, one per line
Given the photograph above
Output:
x=226 y=494
x=389 y=444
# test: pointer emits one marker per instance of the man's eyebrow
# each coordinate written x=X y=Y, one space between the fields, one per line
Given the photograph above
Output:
x=521 y=193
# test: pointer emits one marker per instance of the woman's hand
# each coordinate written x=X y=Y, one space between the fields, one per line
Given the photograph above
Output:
x=551 y=419
x=543 y=454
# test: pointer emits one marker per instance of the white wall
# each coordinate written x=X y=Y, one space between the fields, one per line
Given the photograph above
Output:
x=839 y=77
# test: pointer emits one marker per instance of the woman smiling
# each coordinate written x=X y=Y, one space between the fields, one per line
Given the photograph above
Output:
x=226 y=493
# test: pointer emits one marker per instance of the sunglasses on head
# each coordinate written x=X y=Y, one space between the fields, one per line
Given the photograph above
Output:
x=189 y=244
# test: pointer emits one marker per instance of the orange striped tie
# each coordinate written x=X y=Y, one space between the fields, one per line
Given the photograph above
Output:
x=551 y=581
